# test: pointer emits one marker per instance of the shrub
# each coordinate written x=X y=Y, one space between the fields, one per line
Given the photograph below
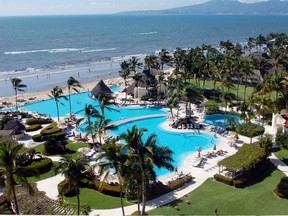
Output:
x=223 y=179
x=37 y=138
x=32 y=121
x=212 y=107
x=282 y=138
x=50 y=129
x=33 y=127
x=250 y=130
x=40 y=166
x=282 y=188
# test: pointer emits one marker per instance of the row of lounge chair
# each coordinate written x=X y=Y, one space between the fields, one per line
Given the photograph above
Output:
x=222 y=131
x=186 y=126
x=199 y=162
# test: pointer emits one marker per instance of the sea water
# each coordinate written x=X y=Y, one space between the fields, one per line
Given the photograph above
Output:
x=45 y=50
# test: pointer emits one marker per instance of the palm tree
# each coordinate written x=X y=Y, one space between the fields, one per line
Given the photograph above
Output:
x=101 y=126
x=16 y=83
x=10 y=153
x=74 y=171
x=74 y=84
x=106 y=100
x=147 y=155
x=112 y=159
x=90 y=112
x=134 y=64
x=164 y=58
x=56 y=94
x=124 y=73
x=151 y=61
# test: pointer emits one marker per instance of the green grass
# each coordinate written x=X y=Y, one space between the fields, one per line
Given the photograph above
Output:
x=71 y=145
x=257 y=199
x=97 y=200
x=282 y=155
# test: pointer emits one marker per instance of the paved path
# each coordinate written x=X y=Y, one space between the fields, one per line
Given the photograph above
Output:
x=123 y=121
x=279 y=164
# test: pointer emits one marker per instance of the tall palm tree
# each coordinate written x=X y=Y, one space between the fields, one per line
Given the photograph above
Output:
x=147 y=155
x=74 y=171
x=134 y=64
x=56 y=94
x=112 y=159
x=106 y=100
x=73 y=84
x=90 y=112
x=151 y=61
x=124 y=73
x=10 y=153
x=164 y=58
x=18 y=86
x=101 y=126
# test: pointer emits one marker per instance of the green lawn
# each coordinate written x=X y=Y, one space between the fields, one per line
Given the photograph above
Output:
x=209 y=85
x=282 y=155
x=257 y=199
x=71 y=145
x=97 y=200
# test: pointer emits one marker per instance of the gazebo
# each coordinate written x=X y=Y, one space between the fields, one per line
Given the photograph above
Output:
x=100 y=87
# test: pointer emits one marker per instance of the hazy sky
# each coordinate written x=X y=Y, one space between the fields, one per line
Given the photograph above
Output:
x=59 y=7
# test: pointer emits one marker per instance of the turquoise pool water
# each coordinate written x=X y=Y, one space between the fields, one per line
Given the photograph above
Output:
x=220 y=120
x=78 y=103
x=181 y=144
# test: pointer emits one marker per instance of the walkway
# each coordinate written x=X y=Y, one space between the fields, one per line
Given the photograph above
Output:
x=123 y=121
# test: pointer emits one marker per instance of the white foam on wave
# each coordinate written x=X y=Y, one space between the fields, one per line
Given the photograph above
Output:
x=145 y=33
x=99 y=50
x=58 y=50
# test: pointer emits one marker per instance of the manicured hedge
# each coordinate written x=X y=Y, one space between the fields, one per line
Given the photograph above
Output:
x=40 y=166
x=37 y=138
x=33 y=127
x=223 y=179
x=32 y=121
x=50 y=129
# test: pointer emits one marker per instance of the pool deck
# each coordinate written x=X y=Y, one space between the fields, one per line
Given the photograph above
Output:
x=123 y=121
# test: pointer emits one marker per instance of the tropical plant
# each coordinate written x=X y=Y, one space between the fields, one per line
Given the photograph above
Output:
x=74 y=171
x=90 y=112
x=134 y=63
x=250 y=130
x=112 y=160
x=106 y=100
x=73 y=84
x=147 y=155
x=10 y=153
x=101 y=126
x=124 y=73
x=266 y=143
x=56 y=94
x=17 y=86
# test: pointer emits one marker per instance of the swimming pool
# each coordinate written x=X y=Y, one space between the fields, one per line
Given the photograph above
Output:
x=181 y=144
x=78 y=101
x=220 y=120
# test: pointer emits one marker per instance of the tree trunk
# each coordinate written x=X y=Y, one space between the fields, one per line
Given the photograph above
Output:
x=250 y=140
x=57 y=110
x=121 y=197
x=16 y=100
x=15 y=199
x=78 y=201
x=70 y=107
x=143 y=197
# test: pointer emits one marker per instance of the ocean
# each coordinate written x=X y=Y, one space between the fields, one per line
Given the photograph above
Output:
x=45 y=50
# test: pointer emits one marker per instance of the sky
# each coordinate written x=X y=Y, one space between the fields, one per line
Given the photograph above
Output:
x=65 y=7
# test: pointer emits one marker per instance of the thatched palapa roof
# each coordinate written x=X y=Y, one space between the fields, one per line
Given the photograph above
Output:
x=100 y=87
x=15 y=125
